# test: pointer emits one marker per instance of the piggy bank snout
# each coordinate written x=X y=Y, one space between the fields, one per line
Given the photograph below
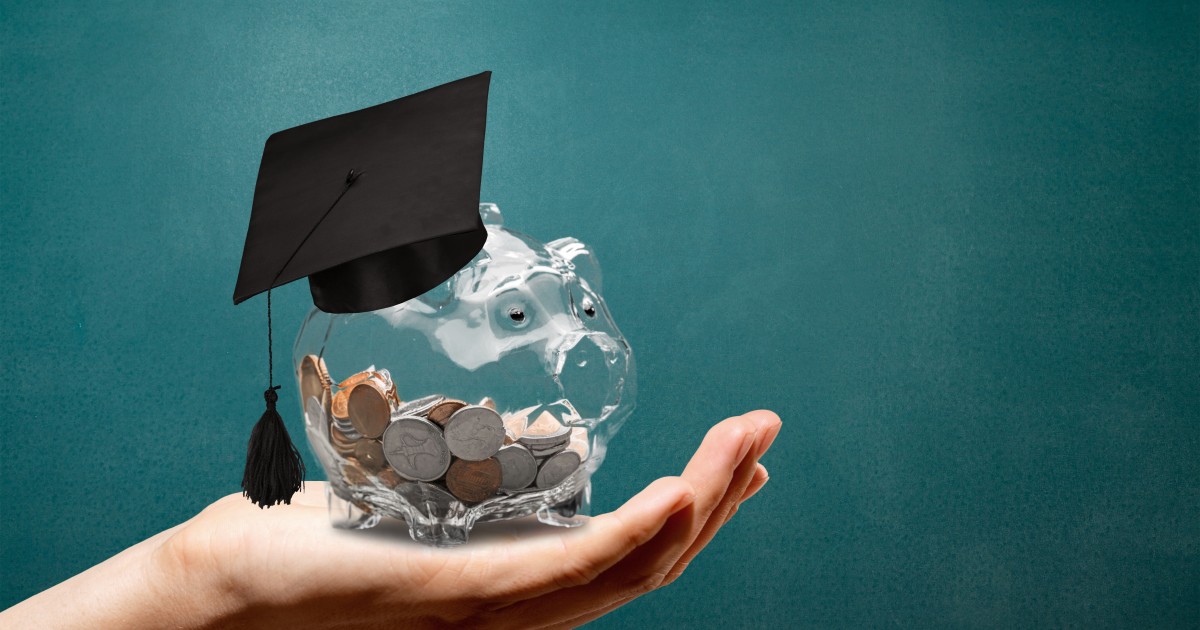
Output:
x=592 y=368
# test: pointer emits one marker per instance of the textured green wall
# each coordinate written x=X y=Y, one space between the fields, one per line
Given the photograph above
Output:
x=956 y=246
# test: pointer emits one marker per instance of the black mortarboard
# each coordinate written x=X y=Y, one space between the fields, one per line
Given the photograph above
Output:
x=375 y=207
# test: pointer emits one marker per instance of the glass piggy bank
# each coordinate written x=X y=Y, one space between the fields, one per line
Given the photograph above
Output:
x=492 y=396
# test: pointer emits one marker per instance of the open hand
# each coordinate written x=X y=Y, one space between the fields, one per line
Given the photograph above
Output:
x=234 y=565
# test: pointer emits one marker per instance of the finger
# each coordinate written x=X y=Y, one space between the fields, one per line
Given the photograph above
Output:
x=714 y=464
x=642 y=571
x=761 y=476
x=723 y=451
x=534 y=567
x=767 y=426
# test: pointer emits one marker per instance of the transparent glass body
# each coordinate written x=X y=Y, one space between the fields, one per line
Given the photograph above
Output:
x=492 y=396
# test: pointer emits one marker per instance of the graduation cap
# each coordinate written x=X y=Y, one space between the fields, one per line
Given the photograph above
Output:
x=374 y=207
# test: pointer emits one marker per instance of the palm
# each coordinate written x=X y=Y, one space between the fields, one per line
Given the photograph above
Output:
x=287 y=563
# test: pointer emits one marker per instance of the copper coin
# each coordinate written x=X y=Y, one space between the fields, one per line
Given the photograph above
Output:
x=579 y=443
x=342 y=444
x=488 y=402
x=369 y=409
x=338 y=408
x=389 y=477
x=369 y=453
x=441 y=412
x=473 y=482
x=353 y=473
x=314 y=378
x=545 y=424
x=514 y=425
x=355 y=379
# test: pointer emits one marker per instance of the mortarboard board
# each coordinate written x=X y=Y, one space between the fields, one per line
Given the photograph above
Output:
x=374 y=207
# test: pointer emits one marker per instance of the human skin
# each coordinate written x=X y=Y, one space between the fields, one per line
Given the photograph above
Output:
x=234 y=565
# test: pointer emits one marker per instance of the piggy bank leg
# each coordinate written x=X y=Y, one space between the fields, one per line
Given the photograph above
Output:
x=346 y=515
x=437 y=533
x=569 y=513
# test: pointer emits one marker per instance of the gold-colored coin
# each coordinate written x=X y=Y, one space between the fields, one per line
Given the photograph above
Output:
x=473 y=482
x=368 y=408
x=442 y=411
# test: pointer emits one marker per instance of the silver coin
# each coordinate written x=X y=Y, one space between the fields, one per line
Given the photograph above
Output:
x=518 y=468
x=474 y=433
x=544 y=451
x=557 y=468
x=562 y=435
x=546 y=445
x=418 y=407
x=415 y=448
x=316 y=417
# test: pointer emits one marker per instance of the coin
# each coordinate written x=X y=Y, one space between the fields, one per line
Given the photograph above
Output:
x=557 y=468
x=442 y=411
x=579 y=443
x=314 y=378
x=369 y=453
x=488 y=402
x=474 y=433
x=545 y=424
x=473 y=482
x=389 y=477
x=415 y=448
x=355 y=379
x=518 y=468
x=338 y=406
x=543 y=438
x=316 y=417
x=369 y=409
x=342 y=443
x=418 y=407
x=353 y=472
x=515 y=424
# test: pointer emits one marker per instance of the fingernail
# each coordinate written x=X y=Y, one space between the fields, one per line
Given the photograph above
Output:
x=747 y=442
x=772 y=433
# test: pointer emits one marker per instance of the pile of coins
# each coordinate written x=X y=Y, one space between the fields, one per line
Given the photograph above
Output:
x=470 y=449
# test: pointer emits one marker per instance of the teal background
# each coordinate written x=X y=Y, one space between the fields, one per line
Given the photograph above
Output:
x=956 y=246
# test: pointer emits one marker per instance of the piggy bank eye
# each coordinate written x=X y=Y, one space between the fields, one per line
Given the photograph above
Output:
x=589 y=309
x=517 y=315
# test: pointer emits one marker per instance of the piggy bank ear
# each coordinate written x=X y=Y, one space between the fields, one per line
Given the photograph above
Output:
x=581 y=257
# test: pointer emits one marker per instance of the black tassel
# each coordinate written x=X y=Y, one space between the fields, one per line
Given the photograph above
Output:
x=274 y=469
